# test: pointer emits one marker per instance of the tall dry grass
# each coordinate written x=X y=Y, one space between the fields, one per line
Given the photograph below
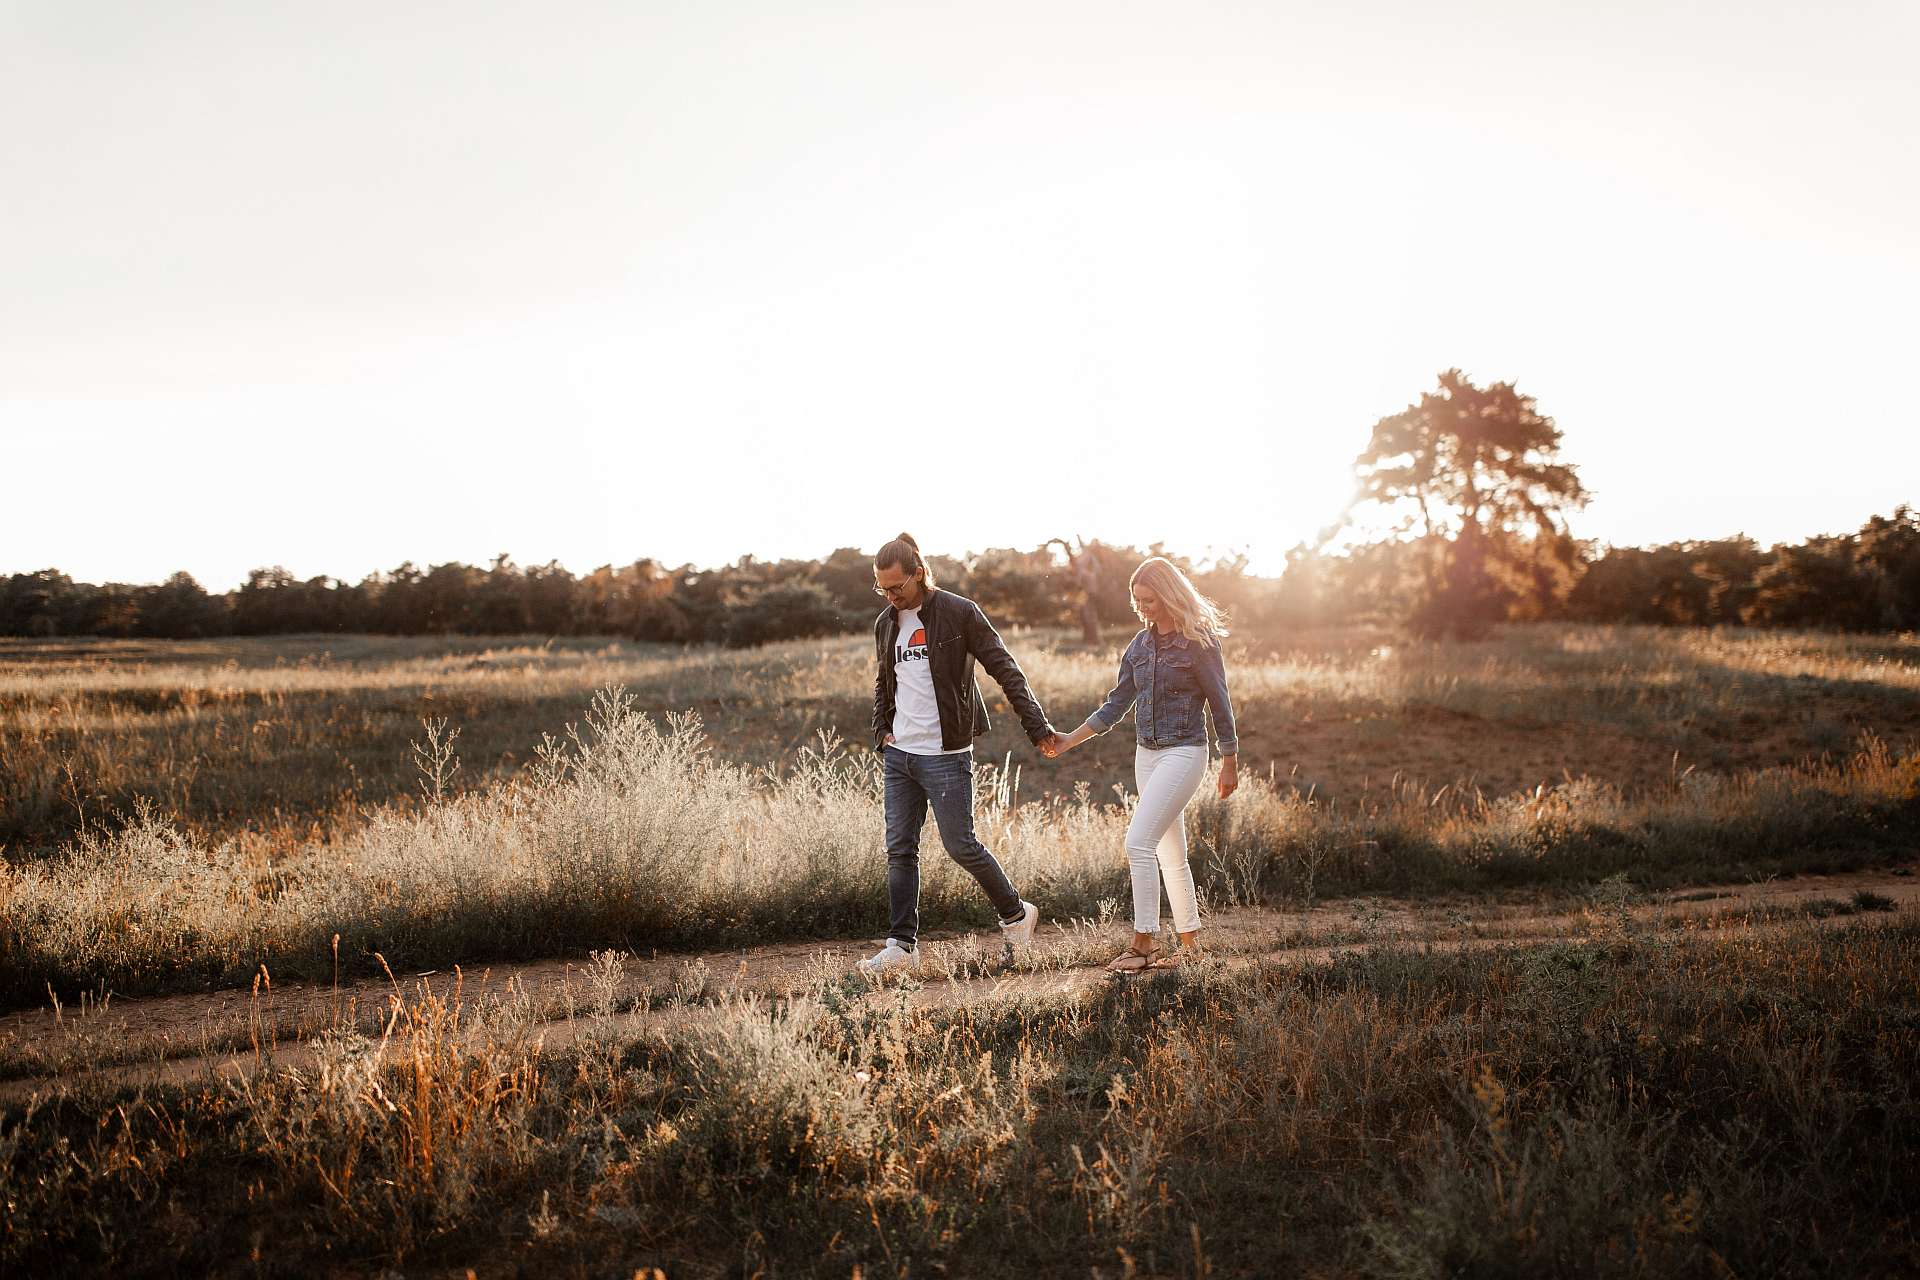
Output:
x=279 y=744
x=631 y=833
x=1625 y=1105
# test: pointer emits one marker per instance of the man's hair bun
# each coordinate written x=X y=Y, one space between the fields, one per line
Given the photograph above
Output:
x=904 y=553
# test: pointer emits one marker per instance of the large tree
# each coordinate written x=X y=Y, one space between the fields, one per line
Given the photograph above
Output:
x=1083 y=568
x=1474 y=473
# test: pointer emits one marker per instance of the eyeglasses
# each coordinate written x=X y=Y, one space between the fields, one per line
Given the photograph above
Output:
x=898 y=589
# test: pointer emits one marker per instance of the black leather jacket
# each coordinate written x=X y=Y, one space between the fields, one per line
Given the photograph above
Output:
x=958 y=634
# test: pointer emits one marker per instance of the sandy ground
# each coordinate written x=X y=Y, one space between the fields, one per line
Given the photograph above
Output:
x=184 y=1038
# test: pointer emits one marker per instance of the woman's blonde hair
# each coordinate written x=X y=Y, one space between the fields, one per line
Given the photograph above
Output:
x=1197 y=617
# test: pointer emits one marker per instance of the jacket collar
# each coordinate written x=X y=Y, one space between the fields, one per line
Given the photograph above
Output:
x=926 y=607
x=1178 y=640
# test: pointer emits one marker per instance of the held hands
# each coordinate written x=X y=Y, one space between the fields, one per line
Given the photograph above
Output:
x=1229 y=775
x=1056 y=744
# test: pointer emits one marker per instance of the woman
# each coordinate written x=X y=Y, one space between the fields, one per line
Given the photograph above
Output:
x=1169 y=669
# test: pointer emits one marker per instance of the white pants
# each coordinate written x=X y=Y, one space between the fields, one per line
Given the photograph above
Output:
x=1157 y=836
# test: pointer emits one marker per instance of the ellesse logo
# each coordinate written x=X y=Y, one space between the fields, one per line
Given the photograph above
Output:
x=915 y=649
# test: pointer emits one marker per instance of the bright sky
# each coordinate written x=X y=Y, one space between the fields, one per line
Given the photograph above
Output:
x=336 y=286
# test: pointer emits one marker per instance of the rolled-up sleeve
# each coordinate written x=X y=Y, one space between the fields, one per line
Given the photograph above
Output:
x=1119 y=699
x=1211 y=671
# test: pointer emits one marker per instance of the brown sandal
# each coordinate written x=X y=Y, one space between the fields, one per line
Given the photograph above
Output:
x=1131 y=961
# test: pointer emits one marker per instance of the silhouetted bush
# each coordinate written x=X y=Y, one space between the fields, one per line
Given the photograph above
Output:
x=1861 y=582
x=790 y=611
x=1688 y=583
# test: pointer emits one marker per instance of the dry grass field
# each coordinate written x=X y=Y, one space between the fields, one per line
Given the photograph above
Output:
x=280 y=742
x=1470 y=1012
x=1618 y=1092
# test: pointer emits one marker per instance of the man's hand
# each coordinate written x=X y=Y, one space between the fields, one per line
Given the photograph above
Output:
x=1229 y=775
x=1052 y=745
x=887 y=741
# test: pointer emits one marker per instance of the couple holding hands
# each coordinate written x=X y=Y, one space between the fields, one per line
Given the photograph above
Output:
x=927 y=711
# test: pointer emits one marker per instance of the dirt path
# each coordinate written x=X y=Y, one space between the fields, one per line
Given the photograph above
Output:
x=186 y=1037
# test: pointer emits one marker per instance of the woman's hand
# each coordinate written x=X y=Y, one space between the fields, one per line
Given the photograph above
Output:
x=1067 y=742
x=1057 y=744
x=1229 y=775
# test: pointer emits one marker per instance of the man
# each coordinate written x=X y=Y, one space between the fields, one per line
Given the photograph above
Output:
x=927 y=711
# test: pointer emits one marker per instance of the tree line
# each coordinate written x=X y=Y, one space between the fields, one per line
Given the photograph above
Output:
x=1864 y=581
x=1470 y=503
x=750 y=601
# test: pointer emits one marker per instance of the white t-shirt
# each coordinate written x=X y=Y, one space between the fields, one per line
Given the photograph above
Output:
x=916 y=716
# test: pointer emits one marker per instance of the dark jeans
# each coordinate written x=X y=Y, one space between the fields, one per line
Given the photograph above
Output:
x=947 y=781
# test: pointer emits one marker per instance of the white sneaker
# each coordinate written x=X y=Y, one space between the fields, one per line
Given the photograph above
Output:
x=892 y=956
x=1020 y=932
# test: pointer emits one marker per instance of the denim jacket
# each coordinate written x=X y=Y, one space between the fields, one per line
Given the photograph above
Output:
x=1165 y=679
